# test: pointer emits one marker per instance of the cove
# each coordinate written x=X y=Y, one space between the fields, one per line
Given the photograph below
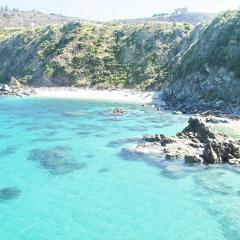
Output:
x=70 y=181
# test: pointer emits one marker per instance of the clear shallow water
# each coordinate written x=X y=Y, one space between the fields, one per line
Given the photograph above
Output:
x=74 y=183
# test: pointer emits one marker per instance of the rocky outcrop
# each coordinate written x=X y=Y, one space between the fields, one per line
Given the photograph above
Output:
x=207 y=70
x=16 y=90
x=197 y=143
x=119 y=111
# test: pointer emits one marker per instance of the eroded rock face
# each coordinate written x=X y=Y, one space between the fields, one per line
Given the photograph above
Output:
x=197 y=143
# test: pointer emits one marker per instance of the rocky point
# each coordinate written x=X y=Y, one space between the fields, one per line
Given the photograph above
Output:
x=197 y=143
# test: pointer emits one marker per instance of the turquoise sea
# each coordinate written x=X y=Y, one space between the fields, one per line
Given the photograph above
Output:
x=63 y=177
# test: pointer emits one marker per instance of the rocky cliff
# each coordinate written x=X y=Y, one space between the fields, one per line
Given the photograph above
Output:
x=208 y=68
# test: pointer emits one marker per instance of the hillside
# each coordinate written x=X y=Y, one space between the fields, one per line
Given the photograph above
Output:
x=188 y=63
x=209 y=68
x=104 y=55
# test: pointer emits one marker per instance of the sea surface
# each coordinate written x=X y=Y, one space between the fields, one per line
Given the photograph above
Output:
x=63 y=176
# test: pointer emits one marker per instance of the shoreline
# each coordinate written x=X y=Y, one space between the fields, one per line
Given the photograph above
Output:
x=122 y=95
x=185 y=145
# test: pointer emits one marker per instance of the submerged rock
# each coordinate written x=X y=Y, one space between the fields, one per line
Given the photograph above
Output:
x=119 y=111
x=56 y=160
x=9 y=193
x=196 y=143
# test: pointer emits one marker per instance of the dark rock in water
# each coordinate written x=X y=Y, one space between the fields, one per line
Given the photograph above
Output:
x=224 y=151
x=209 y=155
x=155 y=138
x=56 y=160
x=197 y=129
x=119 y=111
x=196 y=143
x=192 y=159
x=9 y=193
x=159 y=138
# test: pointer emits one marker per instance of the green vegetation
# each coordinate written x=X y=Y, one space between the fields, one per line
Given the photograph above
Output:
x=101 y=55
x=7 y=32
x=192 y=64
x=222 y=48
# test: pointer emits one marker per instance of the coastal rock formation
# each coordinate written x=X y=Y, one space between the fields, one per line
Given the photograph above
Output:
x=208 y=69
x=197 y=143
x=15 y=89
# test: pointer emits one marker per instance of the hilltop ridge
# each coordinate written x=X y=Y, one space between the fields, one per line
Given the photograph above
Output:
x=14 y=18
x=179 y=15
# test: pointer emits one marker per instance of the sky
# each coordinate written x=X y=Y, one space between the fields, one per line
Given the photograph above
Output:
x=118 y=9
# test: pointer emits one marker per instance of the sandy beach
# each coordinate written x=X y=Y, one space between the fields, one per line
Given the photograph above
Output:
x=124 y=95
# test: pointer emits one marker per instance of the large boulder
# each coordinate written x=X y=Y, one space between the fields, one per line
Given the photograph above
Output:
x=198 y=129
